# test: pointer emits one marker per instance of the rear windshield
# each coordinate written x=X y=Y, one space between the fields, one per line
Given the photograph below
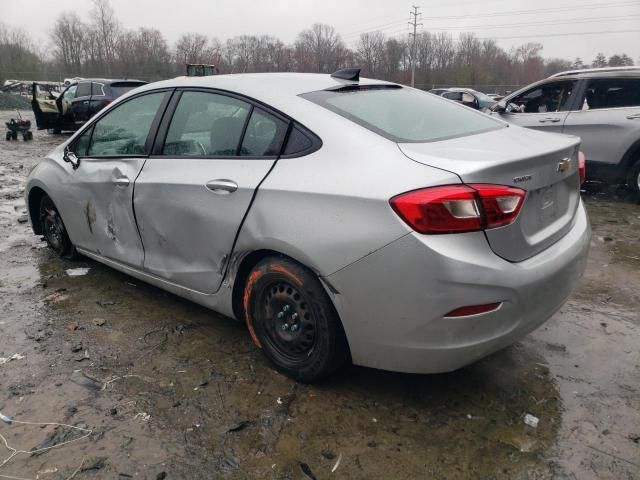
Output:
x=404 y=114
x=121 y=88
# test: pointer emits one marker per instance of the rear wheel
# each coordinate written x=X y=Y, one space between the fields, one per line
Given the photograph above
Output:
x=290 y=316
x=8 y=136
x=54 y=229
x=633 y=179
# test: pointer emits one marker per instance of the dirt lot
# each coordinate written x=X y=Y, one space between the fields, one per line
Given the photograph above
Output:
x=171 y=390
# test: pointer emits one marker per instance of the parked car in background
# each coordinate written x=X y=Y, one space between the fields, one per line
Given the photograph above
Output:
x=466 y=96
x=600 y=105
x=78 y=102
x=433 y=237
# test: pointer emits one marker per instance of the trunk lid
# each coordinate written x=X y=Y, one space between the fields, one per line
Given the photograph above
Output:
x=545 y=165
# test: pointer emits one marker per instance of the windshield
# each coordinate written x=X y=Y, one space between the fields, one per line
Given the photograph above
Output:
x=403 y=114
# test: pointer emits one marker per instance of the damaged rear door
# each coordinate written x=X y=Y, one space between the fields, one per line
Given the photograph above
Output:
x=112 y=152
x=192 y=195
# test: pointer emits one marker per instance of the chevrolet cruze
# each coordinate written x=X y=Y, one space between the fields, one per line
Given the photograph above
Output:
x=342 y=219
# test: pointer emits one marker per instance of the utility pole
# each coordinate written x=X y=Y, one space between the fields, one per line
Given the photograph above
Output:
x=414 y=23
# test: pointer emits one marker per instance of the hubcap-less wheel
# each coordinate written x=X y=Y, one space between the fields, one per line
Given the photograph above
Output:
x=289 y=323
x=290 y=316
x=54 y=230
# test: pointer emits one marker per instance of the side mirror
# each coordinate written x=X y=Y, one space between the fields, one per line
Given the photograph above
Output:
x=70 y=157
x=500 y=107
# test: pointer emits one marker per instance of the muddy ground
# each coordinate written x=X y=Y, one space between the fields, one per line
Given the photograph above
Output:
x=171 y=390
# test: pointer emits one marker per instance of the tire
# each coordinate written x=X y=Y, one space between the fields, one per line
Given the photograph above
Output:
x=8 y=137
x=54 y=230
x=25 y=137
x=290 y=316
x=14 y=135
x=29 y=135
x=633 y=179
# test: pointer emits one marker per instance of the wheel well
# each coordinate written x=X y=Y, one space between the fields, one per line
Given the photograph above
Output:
x=35 y=197
x=245 y=267
x=631 y=156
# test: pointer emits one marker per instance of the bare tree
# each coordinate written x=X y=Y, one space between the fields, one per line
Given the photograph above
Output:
x=107 y=28
x=68 y=36
x=319 y=49
x=370 y=52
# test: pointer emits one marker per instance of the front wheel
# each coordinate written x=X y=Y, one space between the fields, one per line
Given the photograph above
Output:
x=54 y=230
x=633 y=179
x=290 y=316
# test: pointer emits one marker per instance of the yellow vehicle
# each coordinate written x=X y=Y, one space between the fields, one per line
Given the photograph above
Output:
x=201 y=70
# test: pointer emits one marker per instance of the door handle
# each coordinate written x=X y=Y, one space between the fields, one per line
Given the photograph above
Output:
x=635 y=116
x=122 y=182
x=222 y=186
x=550 y=120
x=86 y=102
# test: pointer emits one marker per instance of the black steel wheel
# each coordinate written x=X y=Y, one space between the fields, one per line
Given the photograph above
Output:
x=290 y=316
x=633 y=179
x=54 y=230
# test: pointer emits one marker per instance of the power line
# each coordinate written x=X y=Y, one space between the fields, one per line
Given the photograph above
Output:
x=566 y=34
x=568 y=21
x=539 y=10
x=415 y=25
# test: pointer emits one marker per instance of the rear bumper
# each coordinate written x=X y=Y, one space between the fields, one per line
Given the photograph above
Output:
x=393 y=301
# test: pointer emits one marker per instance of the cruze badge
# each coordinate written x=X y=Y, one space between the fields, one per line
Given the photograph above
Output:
x=523 y=178
x=564 y=165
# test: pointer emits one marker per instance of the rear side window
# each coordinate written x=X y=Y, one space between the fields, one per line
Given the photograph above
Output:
x=612 y=93
x=84 y=89
x=404 y=115
x=264 y=135
x=298 y=142
x=207 y=124
x=124 y=130
x=453 y=96
x=120 y=88
x=97 y=89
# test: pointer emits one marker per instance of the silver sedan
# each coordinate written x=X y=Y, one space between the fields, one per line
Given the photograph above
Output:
x=342 y=219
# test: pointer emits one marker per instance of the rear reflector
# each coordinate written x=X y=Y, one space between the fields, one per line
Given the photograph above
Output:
x=459 y=208
x=582 y=167
x=473 y=310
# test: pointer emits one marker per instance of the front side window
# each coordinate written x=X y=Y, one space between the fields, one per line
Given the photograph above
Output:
x=404 y=115
x=550 y=97
x=206 y=124
x=124 y=130
x=70 y=93
x=82 y=143
x=612 y=93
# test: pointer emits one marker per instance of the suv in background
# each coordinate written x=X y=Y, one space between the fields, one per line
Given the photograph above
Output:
x=79 y=102
x=466 y=96
x=600 y=105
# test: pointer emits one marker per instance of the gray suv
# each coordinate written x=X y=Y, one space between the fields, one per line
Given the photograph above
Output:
x=601 y=106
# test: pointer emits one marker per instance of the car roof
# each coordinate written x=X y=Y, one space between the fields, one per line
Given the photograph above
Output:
x=607 y=72
x=257 y=84
x=108 y=81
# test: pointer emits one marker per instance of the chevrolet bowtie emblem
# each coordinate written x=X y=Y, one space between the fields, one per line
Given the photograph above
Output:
x=564 y=165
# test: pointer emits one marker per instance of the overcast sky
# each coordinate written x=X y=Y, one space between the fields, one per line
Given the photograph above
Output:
x=528 y=20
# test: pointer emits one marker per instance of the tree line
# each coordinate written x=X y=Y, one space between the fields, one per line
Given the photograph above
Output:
x=100 y=47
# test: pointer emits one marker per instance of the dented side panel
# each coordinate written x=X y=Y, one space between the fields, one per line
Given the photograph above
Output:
x=188 y=230
x=99 y=210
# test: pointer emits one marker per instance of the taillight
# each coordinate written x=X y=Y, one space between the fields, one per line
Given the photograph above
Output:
x=459 y=208
x=582 y=167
